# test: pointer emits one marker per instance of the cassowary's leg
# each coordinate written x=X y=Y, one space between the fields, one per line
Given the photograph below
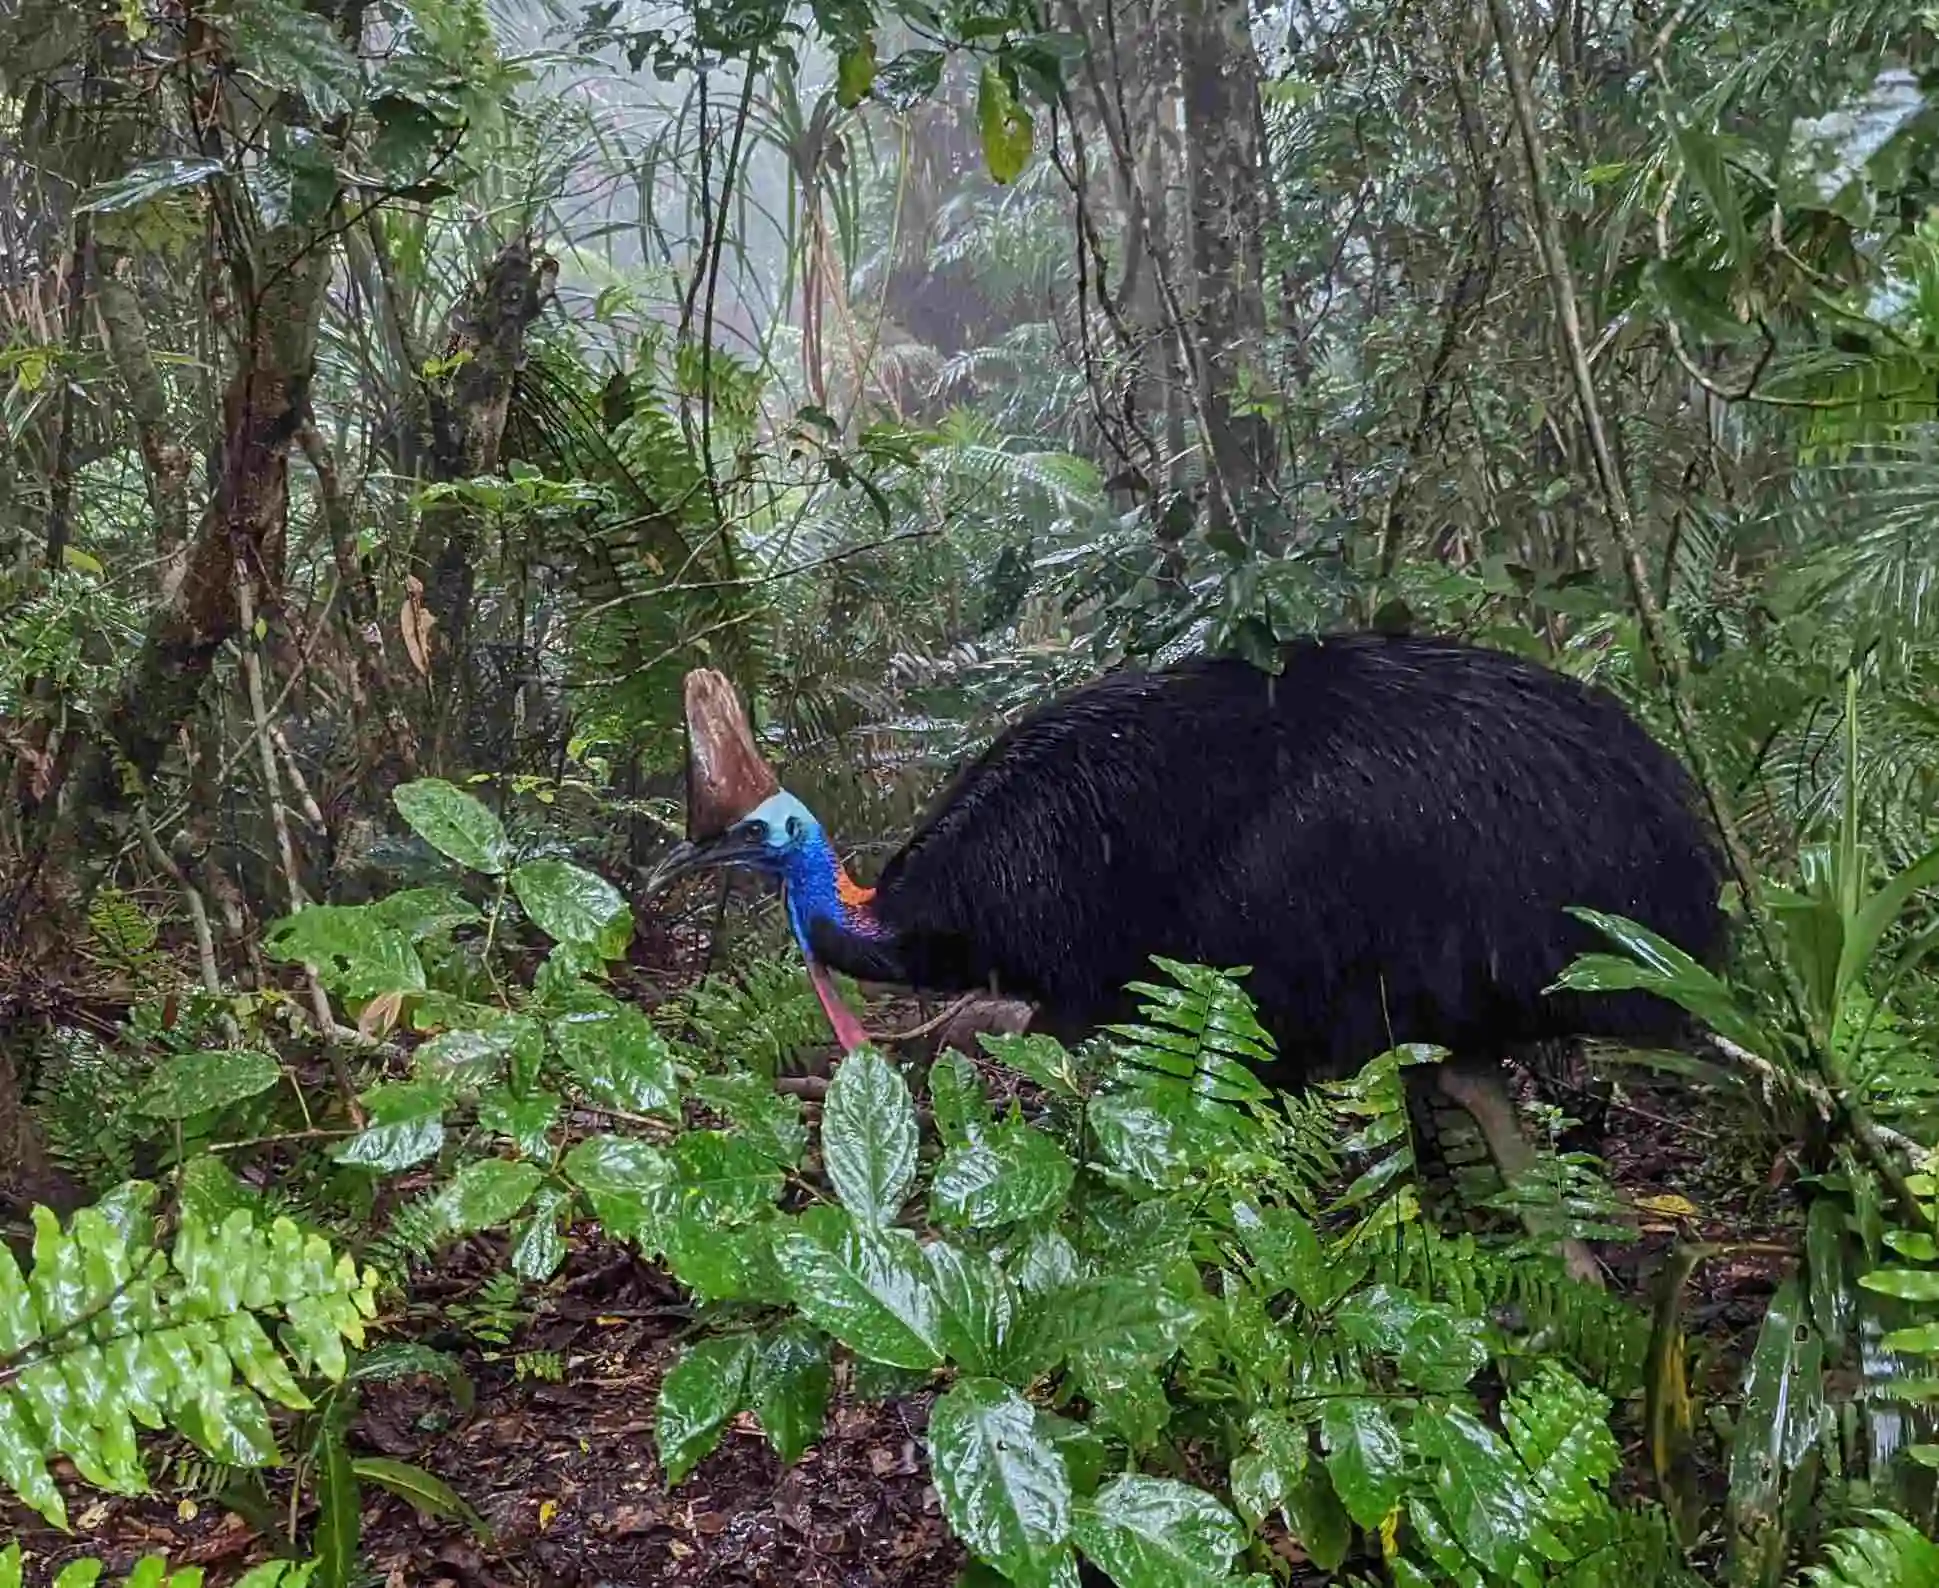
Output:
x=1477 y=1085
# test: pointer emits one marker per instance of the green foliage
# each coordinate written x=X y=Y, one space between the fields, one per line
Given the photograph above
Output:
x=107 y=1331
x=152 y=1571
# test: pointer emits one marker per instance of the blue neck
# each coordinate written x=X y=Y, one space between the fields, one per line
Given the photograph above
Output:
x=817 y=889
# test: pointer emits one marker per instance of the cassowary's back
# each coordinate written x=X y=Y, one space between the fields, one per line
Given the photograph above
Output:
x=1387 y=833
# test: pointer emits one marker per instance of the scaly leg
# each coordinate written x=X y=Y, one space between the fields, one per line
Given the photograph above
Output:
x=1479 y=1088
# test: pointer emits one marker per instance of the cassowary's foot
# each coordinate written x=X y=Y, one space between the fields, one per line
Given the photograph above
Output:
x=1480 y=1089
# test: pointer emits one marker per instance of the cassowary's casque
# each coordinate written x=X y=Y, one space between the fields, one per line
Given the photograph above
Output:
x=1388 y=832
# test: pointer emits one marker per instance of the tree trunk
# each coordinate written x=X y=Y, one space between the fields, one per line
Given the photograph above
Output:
x=1225 y=177
x=467 y=415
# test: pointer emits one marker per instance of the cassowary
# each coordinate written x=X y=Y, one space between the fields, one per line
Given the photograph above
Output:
x=1388 y=832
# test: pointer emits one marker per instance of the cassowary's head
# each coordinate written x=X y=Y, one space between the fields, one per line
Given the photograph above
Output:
x=779 y=838
x=739 y=815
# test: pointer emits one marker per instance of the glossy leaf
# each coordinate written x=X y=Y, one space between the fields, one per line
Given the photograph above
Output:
x=1365 y=1456
x=789 y=1385
x=1479 y=1486
x=1007 y=128
x=195 y=1083
x=407 y=1127
x=538 y=1242
x=979 y=1307
x=869 y=1288
x=1158 y=1533
x=573 y=905
x=869 y=1137
x=618 y=1059
x=1003 y=1485
x=144 y=183
x=720 y=1178
x=1014 y=1172
x=454 y=823
x=699 y=1396
x=485 y=1194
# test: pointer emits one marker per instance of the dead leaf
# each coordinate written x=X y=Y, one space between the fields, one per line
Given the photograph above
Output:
x=416 y=622
x=380 y=1015
x=1668 y=1205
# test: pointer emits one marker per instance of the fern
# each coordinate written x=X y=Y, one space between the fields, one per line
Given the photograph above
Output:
x=83 y=1098
x=161 y=1339
x=151 y=1571
x=763 y=1019
x=1886 y=1552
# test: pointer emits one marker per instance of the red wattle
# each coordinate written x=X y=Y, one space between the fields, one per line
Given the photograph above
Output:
x=848 y=1029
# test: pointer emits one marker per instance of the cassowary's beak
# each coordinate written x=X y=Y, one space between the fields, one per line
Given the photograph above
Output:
x=732 y=848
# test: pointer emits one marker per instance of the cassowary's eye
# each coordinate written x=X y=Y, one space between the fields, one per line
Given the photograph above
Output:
x=794 y=827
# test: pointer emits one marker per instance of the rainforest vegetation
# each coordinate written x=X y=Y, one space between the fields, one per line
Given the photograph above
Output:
x=398 y=398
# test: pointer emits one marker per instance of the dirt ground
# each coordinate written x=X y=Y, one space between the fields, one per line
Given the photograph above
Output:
x=565 y=1477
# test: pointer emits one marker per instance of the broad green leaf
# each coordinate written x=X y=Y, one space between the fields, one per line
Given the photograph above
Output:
x=1158 y=1533
x=1441 y=1350
x=454 y=823
x=1657 y=966
x=957 y=1098
x=79 y=1574
x=788 y=1384
x=1480 y=1488
x=869 y=1288
x=720 y=1178
x=485 y=1194
x=1006 y=126
x=698 y=1397
x=538 y=1242
x=1263 y=1474
x=625 y=1181
x=353 y=951
x=1119 y=1320
x=525 y=1121
x=869 y=1138
x=194 y=1083
x=146 y=182
x=979 y=1307
x=1003 y=1485
x=22 y=1468
x=761 y=1116
x=290 y=48
x=1288 y=1252
x=1015 y=1172
x=407 y=1127
x=1042 y=1058
x=1907 y=1284
x=425 y=1492
x=1365 y=1456
x=1315 y=1517
x=573 y=905
x=718 y=1264
x=1877 y=916
x=478 y=1056
x=339 y=1519
x=619 y=1059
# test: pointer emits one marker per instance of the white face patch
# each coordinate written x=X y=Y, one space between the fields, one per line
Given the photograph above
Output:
x=788 y=820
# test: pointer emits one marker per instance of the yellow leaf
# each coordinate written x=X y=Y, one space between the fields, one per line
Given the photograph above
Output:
x=187 y=1511
x=547 y=1510
x=1669 y=1206
x=1390 y=1534
x=81 y=561
x=261 y=630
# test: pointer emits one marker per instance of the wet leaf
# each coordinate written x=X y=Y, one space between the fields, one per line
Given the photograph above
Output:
x=869 y=1137
x=485 y=1194
x=699 y=1396
x=1365 y=1457
x=573 y=905
x=1013 y=1172
x=1158 y=1533
x=618 y=1059
x=454 y=823
x=1480 y=1488
x=1003 y=1485
x=789 y=1387
x=194 y=1083
x=1007 y=128
x=869 y=1288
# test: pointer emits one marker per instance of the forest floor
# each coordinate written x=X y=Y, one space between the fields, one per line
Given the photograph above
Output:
x=565 y=1477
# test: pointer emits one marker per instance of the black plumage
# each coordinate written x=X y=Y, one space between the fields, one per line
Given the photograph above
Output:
x=1388 y=833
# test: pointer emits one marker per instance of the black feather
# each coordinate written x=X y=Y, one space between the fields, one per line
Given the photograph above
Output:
x=1388 y=833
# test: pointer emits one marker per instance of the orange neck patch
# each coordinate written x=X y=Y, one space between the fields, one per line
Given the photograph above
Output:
x=849 y=891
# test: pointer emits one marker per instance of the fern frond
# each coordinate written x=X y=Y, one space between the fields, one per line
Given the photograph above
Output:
x=1885 y=1552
